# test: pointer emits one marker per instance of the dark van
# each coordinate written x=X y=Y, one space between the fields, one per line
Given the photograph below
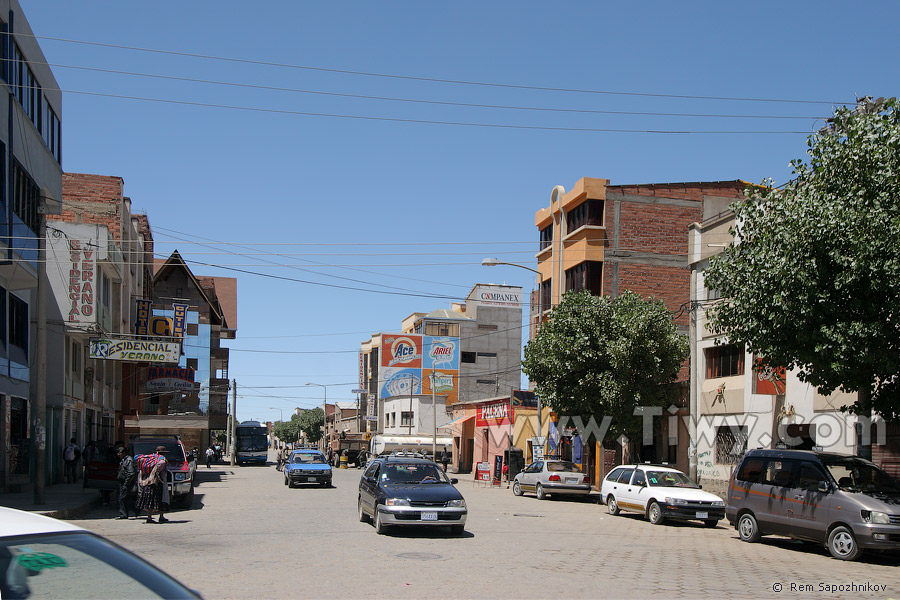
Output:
x=845 y=502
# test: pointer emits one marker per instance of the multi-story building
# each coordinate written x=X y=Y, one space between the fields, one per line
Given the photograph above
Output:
x=31 y=179
x=197 y=405
x=98 y=266
x=608 y=238
x=488 y=327
x=736 y=406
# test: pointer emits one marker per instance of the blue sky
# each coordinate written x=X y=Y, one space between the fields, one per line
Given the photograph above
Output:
x=345 y=224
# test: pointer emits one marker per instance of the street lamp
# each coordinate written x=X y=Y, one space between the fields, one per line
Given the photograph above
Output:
x=493 y=262
x=324 y=405
x=280 y=413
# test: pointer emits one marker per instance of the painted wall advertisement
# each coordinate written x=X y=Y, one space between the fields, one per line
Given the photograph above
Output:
x=410 y=363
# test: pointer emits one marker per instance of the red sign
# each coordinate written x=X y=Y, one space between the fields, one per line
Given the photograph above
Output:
x=493 y=413
x=483 y=471
x=768 y=380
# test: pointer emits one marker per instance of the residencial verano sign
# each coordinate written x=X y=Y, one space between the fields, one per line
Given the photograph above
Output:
x=135 y=350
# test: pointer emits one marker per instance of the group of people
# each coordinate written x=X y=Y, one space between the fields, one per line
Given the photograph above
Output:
x=142 y=489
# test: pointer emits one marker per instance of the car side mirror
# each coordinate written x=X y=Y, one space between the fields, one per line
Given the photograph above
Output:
x=454 y=480
x=823 y=487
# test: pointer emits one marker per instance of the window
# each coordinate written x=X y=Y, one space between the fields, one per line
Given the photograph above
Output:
x=406 y=418
x=810 y=477
x=2 y=314
x=192 y=329
x=76 y=357
x=625 y=475
x=639 y=478
x=589 y=212
x=614 y=474
x=18 y=322
x=585 y=276
x=191 y=363
x=545 y=296
x=486 y=381
x=546 y=237
x=442 y=328
x=724 y=361
x=487 y=354
x=731 y=444
x=486 y=327
x=50 y=131
x=779 y=472
x=26 y=197
x=750 y=470
x=467 y=357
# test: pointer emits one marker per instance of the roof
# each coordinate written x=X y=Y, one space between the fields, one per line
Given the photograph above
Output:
x=20 y=522
x=445 y=314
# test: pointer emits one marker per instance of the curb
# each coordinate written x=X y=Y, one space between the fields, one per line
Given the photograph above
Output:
x=76 y=512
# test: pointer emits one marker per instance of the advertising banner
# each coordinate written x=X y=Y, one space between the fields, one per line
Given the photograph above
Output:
x=493 y=413
x=499 y=296
x=446 y=384
x=135 y=350
x=400 y=382
x=440 y=353
x=168 y=379
x=401 y=350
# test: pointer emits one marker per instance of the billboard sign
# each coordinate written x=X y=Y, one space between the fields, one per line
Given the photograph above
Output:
x=167 y=379
x=134 y=350
x=408 y=361
x=498 y=296
x=493 y=413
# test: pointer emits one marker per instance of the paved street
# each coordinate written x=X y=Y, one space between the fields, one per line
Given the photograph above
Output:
x=249 y=536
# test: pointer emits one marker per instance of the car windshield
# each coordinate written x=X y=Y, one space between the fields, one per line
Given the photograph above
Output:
x=78 y=565
x=563 y=466
x=413 y=473
x=174 y=454
x=308 y=458
x=670 y=479
x=858 y=475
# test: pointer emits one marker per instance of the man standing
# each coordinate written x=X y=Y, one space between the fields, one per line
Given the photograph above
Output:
x=210 y=453
x=150 y=486
x=70 y=456
x=126 y=478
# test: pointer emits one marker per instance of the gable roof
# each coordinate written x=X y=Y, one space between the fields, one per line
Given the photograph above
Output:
x=175 y=262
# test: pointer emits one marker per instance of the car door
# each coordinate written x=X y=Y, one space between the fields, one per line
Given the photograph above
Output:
x=812 y=505
x=634 y=493
x=775 y=508
x=530 y=475
x=367 y=487
x=619 y=488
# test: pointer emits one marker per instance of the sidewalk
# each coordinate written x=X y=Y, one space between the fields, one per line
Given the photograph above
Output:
x=61 y=500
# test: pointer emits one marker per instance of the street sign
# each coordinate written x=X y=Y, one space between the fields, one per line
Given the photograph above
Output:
x=371 y=418
x=357 y=391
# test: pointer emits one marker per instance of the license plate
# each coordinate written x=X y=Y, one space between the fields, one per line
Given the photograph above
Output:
x=571 y=480
x=702 y=515
x=310 y=480
x=429 y=516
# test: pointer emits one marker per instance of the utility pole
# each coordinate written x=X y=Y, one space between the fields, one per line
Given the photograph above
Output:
x=232 y=444
x=433 y=420
x=40 y=401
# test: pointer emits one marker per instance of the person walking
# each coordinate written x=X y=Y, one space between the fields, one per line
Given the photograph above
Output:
x=445 y=459
x=87 y=455
x=151 y=484
x=210 y=453
x=70 y=457
x=126 y=479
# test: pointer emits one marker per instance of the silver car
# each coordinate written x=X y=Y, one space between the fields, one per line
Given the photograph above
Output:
x=552 y=476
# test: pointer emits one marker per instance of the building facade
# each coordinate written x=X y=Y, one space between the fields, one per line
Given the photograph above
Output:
x=609 y=238
x=31 y=179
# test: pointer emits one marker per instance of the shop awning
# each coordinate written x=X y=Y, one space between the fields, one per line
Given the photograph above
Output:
x=461 y=419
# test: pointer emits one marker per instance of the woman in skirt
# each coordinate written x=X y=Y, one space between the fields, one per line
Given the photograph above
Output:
x=150 y=487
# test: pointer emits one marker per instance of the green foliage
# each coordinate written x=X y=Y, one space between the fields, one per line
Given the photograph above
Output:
x=307 y=423
x=597 y=356
x=813 y=281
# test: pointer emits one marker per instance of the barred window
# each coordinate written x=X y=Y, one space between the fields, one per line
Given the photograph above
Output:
x=731 y=444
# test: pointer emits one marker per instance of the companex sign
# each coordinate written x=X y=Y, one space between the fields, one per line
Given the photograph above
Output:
x=503 y=297
x=492 y=413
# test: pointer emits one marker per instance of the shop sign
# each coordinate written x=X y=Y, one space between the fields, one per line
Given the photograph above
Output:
x=134 y=350
x=483 y=471
x=170 y=379
x=493 y=413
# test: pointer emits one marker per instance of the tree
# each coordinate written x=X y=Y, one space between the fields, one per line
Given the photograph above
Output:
x=812 y=281
x=598 y=356
x=311 y=422
x=288 y=431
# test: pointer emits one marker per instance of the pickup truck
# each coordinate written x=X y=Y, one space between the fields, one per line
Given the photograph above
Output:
x=182 y=465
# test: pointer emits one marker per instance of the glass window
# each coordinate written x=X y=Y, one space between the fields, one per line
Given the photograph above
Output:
x=750 y=470
x=625 y=475
x=586 y=276
x=589 y=212
x=670 y=479
x=563 y=466
x=779 y=472
x=639 y=478
x=18 y=322
x=406 y=419
x=724 y=361
x=546 y=237
x=810 y=476
x=614 y=474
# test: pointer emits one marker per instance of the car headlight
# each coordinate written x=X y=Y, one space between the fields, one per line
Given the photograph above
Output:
x=719 y=503
x=180 y=476
x=460 y=503
x=676 y=501
x=396 y=502
x=876 y=518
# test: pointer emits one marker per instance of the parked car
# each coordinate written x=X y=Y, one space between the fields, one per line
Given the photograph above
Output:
x=660 y=493
x=844 y=502
x=102 y=470
x=407 y=490
x=182 y=465
x=556 y=477
x=307 y=465
x=41 y=557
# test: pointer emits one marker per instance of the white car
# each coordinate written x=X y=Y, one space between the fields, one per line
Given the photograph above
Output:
x=41 y=557
x=660 y=493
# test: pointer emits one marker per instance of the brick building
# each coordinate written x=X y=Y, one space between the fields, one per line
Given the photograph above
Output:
x=609 y=238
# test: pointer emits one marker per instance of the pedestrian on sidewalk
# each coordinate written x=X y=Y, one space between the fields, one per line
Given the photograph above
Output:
x=70 y=457
x=151 y=484
x=210 y=453
x=126 y=483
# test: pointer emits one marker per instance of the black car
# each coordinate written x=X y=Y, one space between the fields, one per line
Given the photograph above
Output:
x=406 y=490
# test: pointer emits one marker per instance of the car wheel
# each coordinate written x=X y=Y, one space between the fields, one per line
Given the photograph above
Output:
x=380 y=527
x=748 y=528
x=457 y=529
x=654 y=513
x=517 y=489
x=186 y=500
x=711 y=524
x=612 y=507
x=363 y=517
x=842 y=544
x=539 y=491
x=285 y=480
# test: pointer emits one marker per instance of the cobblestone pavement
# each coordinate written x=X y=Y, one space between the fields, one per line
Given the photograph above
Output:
x=249 y=536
